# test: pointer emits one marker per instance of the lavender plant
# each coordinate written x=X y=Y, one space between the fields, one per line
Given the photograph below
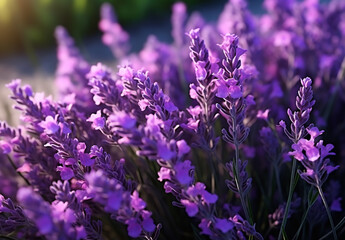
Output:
x=139 y=151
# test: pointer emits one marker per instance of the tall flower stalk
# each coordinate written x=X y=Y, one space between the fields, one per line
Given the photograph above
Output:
x=205 y=90
x=230 y=89
x=304 y=104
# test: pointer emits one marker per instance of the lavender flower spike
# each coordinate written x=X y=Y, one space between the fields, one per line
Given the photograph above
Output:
x=71 y=72
x=304 y=104
x=113 y=34
x=205 y=92
x=230 y=89
x=178 y=19
x=243 y=176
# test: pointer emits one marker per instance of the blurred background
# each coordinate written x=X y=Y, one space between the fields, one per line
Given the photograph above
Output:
x=28 y=46
x=27 y=26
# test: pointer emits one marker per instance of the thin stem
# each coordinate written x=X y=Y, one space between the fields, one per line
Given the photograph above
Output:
x=19 y=173
x=342 y=221
x=288 y=203
x=303 y=220
x=213 y=173
x=239 y=184
x=276 y=170
x=327 y=208
x=302 y=223
x=237 y=170
x=270 y=185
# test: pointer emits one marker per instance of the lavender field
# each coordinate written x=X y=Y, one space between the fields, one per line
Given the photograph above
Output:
x=234 y=130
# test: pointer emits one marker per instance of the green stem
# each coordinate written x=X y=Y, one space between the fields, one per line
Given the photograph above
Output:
x=288 y=203
x=19 y=173
x=303 y=219
x=213 y=173
x=327 y=209
x=276 y=170
x=239 y=183
x=236 y=168
x=342 y=221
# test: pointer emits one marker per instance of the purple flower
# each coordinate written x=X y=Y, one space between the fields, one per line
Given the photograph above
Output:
x=14 y=84
x=199 y=190
x=134 y=228
x=50 y=125
x=65 y=172
x=204 y=92
x=183 y=170
x=5 y=147
x=263 y=114
x=193 y=33
x=183 y=148
x=164 y=174
x=97 y=71
x=136 y=202
x=164 y=152
x=86 y=160
x=313 y=155
x=191 y=208
x=114 y=200
x=113 y=34
x=170 y=106
x=179 y=15
x=97 y=120
x=200 y=70
x=28 y=90
x=304 y=104
x=147 y=223
x=205 y=226
x=122 y=119
x=193 y=91
x=224 y=225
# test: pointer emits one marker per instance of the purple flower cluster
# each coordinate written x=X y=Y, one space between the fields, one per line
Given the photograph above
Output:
x=140 y=151
x=313 y=155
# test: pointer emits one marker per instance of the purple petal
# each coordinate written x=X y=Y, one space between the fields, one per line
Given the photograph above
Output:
x=209 y=198
x=223 y=225
x=66 y=173
x=164 y=152
x=191 y=208
x=45 y=224
x=86 y=160
x=205 y=227
x=183 y=148
x=183 y=172
x=134 y=228
x=114 y=201
x=136 y=202
x=164 y=174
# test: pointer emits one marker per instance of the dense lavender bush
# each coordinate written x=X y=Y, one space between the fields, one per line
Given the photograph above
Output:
x=189 y=140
